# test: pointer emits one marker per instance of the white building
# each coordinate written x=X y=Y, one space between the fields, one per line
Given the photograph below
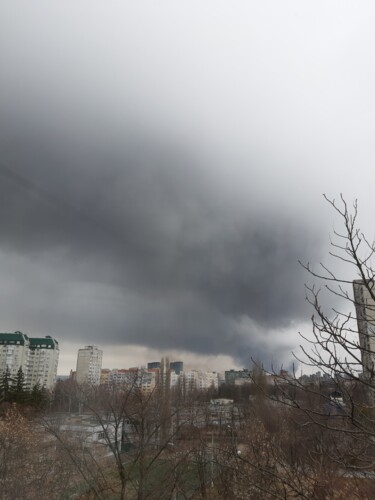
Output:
x=38 y=358
x=200 y=380
x=208 y=380
x=124 y=377
x=174 y=378
x=42 y=362
x=14 y=353
x=365 y=309
x=134 y=378
x=89 y=365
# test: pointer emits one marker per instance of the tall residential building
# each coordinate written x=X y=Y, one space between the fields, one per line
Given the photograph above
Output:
x=132 y=378
x=38 y=358
x=365 y=309
x=177 y=366
x=153 y=364
x=89 y=365
x=232 y=375
x=43 y=361
x=14 y=352
x=199 y=380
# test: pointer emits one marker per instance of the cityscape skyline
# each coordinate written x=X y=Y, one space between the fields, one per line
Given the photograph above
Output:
x=122 y=361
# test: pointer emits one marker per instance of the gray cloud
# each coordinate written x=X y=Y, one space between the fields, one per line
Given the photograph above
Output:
x=181 y=268
x=158 y=188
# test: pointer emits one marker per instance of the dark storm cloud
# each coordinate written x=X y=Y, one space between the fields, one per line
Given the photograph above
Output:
x=160 y=175
x=186 y=268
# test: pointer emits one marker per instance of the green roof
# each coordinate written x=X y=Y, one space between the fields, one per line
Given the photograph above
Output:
x=19 y=338
x=43 y=343
x=13 y=338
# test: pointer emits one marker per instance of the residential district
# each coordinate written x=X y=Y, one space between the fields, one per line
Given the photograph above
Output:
x=37 y=358
x=161 y=431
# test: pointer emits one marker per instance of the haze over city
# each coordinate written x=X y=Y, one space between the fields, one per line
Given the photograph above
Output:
x=162 y=166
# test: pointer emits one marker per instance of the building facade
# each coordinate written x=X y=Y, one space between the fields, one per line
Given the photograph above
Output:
x=365 y=309
x=232 y=375
x=153 y=364
x=177 y=366
x=38 y=358
x=89 y=365
x=199 y=380
x=43 y=361
x=14 y=353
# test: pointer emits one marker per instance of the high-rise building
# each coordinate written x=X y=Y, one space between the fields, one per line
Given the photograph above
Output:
x=89 y=365
x=42 y=362
x=38 y=358
x=199 y=380
x=232 y=375
x=153 y=364
x=177 y=366
x=14 y=353
x=365 y=309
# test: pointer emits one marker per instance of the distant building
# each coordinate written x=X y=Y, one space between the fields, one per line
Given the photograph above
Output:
x=38 y=358
x=42 y=362
x=14 y=353
x=89 y=365
x=134 y=378
x=89 y=432
x=153 y=364
x=221 y=378
x=104 y=376
x=365 y=309
x=126 y=377
x=199 y=380
x=232 y=375
x=177 y=366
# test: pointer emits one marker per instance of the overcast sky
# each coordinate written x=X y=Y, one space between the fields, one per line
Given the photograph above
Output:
x=162 y=165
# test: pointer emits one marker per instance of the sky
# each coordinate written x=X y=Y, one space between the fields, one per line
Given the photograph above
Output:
x=162 y=166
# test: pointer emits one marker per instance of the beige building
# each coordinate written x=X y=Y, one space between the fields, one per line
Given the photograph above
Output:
x=89 y=365
x=14 y=353
x=200 y=380
x=42 y=362
x=104 y=376
x=136 y=378
x=38 y=358
x=365 y=309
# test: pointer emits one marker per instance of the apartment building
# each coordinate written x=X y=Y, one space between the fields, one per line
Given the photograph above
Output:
x=38 y=358
x=365 y=309
x=89 y=365
x=42 y=362
x=233 y=376
x=200 y=380
x=14 y=352
x=177 y=366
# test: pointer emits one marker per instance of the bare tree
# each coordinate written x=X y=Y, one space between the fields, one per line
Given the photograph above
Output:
x=30 y=465
x=342 y=345
x=137 y=451
x=314 y=436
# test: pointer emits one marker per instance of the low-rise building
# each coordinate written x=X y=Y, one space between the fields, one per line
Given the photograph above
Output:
x=232 y=375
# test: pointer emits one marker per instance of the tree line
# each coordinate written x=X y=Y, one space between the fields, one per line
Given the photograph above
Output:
x=15 y=390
